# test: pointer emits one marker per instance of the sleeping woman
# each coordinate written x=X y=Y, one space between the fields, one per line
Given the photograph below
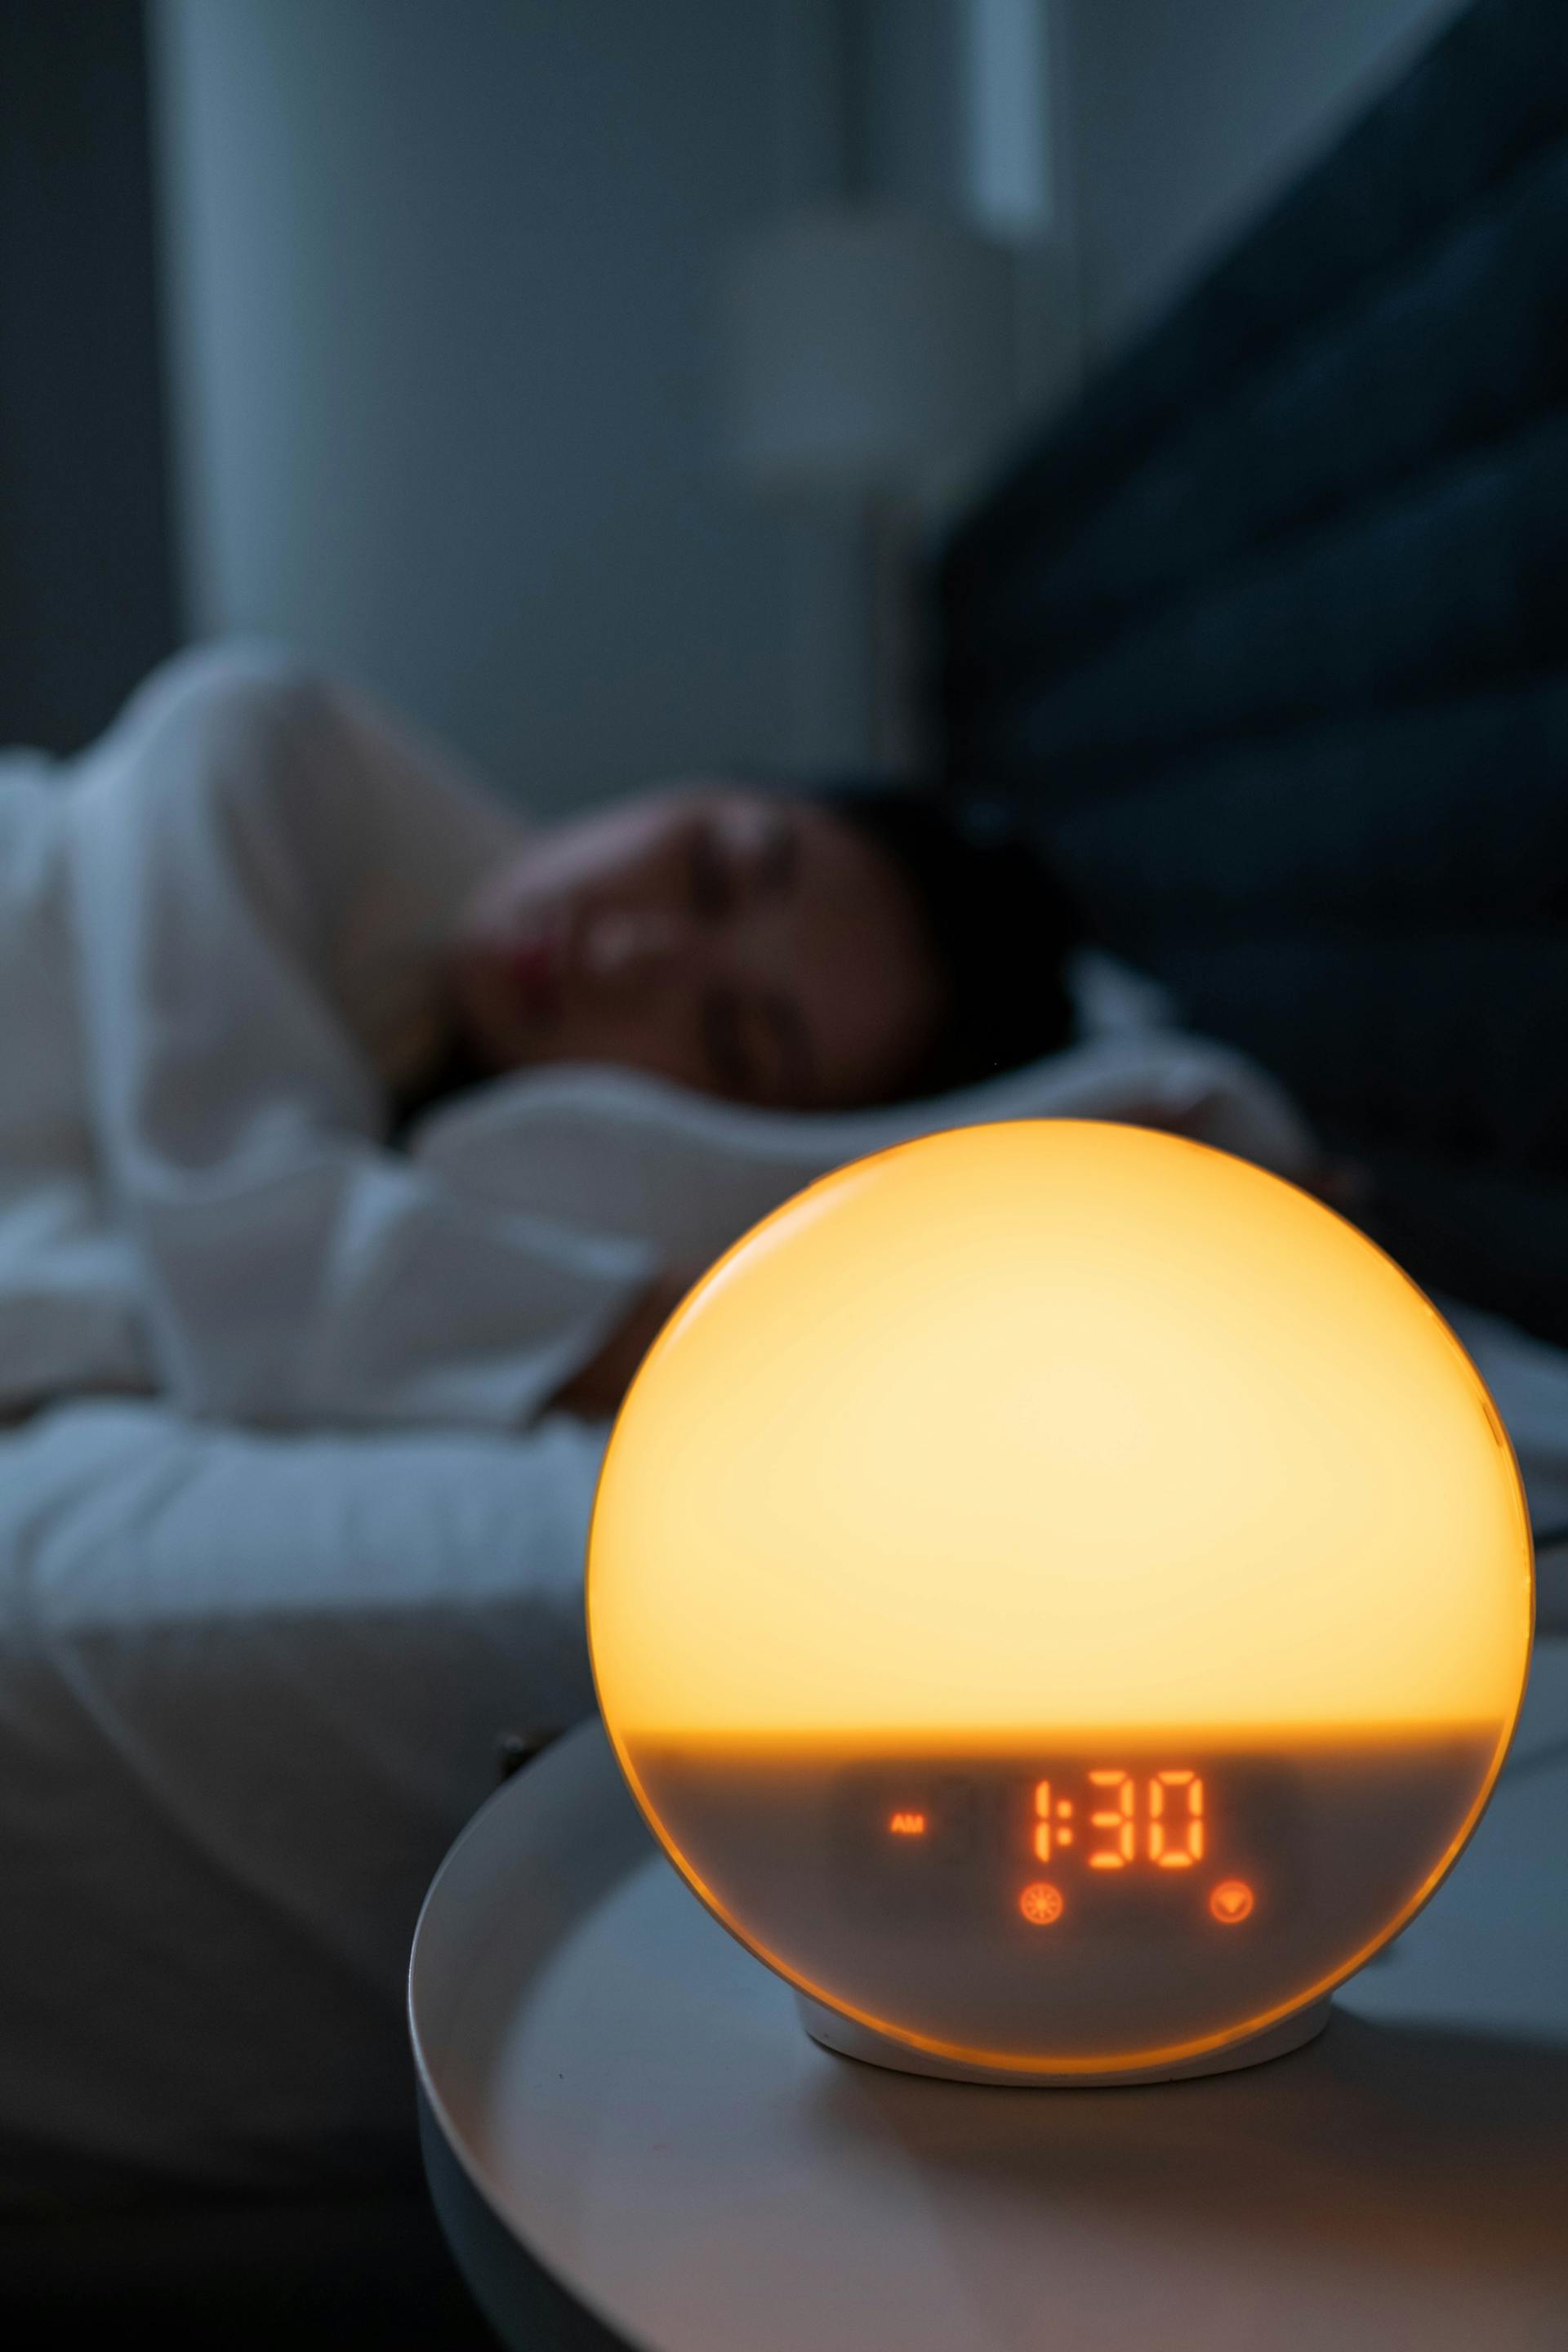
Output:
x=259 y=937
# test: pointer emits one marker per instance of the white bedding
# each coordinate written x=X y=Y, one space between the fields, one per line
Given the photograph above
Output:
x=250 y=1688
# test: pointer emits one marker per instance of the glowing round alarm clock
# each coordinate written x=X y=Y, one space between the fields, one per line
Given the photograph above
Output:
x=1061 y=1596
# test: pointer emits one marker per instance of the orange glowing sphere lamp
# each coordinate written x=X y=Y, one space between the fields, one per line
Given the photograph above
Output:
x=1061 y=1597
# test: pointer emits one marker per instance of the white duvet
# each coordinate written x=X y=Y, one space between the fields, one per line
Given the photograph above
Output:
x=251 y=1687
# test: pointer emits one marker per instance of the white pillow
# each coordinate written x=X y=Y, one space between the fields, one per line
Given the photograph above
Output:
x=614 y=1153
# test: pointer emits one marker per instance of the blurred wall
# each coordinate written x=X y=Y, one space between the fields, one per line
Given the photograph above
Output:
x=441 y=288
x=1185 y=116
x=87 y=593
x=441 y=292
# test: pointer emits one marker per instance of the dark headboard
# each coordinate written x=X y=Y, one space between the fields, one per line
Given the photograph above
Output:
x=1270 y=637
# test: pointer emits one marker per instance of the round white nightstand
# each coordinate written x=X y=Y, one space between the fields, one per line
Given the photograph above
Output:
x=631 y=2141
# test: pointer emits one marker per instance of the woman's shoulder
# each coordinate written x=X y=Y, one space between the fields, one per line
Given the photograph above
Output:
x=248 y=689
x=248 y=725
x=253 y=708
x=239 y=742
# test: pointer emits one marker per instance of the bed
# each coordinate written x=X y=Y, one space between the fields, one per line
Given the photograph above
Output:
x=1267 y=639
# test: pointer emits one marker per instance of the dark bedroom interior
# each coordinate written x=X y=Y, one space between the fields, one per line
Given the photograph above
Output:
x=784 y=949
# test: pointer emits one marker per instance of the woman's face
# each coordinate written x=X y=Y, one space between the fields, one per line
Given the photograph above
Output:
x=737 y=942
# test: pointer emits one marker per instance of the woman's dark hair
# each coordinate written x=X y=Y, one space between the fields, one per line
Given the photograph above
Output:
x=999 y=920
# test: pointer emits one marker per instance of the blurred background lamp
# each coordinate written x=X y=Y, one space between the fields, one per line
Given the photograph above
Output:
x=1061 y=1597
x=871 y=367
x=868 y=350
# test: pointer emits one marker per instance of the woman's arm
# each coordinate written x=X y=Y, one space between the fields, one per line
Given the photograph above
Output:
x=234 y=843
x=596 y=1391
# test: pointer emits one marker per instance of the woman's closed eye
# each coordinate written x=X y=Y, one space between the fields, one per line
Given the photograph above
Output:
x=709 y=874
x=732 y=1063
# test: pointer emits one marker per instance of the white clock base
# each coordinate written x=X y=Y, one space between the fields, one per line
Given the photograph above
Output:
x=853 y=2041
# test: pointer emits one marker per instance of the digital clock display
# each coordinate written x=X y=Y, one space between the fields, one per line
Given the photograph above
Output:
x=1168 y=1832
x=975 y=1894
x=1061 y=1597
x=1033 y=1844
